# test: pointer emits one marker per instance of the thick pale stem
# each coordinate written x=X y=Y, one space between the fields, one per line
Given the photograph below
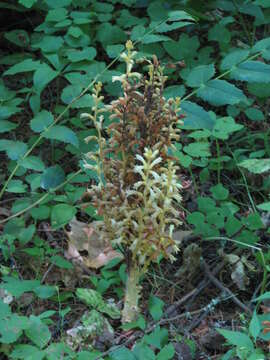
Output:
x=132 y=295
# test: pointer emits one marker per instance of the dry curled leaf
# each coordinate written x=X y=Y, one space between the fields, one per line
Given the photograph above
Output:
x=85 y=246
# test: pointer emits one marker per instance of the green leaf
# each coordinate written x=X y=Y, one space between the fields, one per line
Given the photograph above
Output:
x=27 y=352
x=252 y=71
x=114 y=50
x=237 y=338
x=166 y=353
x=43 y=76
x=17 y=287
x=155 y=306
x=14 y=149
x=219 y=192
x=61 y=214
x=62 y=133
x=232 y=226
x=200 y=75
x=221 y=92
x=56 y=15
x=122 y=354
x=198 y=149
x=253 y=222
x=17 y=187
x=44 y=291
x=38 y=332
x=139 y=323
x=224 y=127
x=262 y=46
x=26 y=234
x=234 y=58
x=185 y=48
x=61 y=262
x=27 y=3
x=256 y=166
x=88 y=53
x=33 y=163
x=196 y=117
x=11 y=328
x=49 y=44
x=153 y=38
x=158 y=338
x=264 y=206
x=142 y=351
x=24 y=66
x=259 y=89
x=265 y=296
x=41 y=121
x=254 y=326
x=6 y=126
x=52 y=177
x=254 y=114
x=108 y=34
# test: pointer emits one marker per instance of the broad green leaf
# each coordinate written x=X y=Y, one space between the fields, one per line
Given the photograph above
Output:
x=52 y=177
x=234 y=58
x=27 y=352
x=153 y=38
x=264 y=206
x=237 y=338
x=254 y=114
x=6 y=126
x=27 y=3
x=259 y=89
x=262 y=46
x=221 y=92
x=38 y=332
x=56 y=15
x=155 y=306
x=158 y=338
x=61 y=214
x=45 y=292
x=33 y=163
x=254 y=326
x=198 y=149
x=88 y=53
x=41 y=121
x=40 y=213
x=62 y=133
x=232 y=226
x=108 y=34
x=53 y=4
x=61 y=262
x=11 y=328
x=224 y=127
x=265 y=296
x=17 y=286
x=185 y=48
x=219 y=192
x=114 y=50
x=179 y=15
x=26 y=234
x=200 y=75
x=43 y=76
x=220 y=34
x=17 y=187
x=263 y=3
x=49 y=44
x=24 y=66
x=18 y=37
x=122 y=354
x=252 y=71
x=143 y=351
x=196 y=116
x=94 y=299
x=14 y=149
x=256 y=166
x=166 y=353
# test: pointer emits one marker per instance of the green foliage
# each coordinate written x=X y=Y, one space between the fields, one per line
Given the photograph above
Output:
x=216 y=55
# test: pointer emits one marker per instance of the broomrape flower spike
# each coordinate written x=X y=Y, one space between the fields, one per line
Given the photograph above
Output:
x=138 y=190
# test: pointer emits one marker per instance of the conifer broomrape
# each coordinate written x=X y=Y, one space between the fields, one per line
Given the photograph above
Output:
x=138 y=188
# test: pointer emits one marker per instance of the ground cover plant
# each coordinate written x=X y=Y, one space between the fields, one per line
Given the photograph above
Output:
x=62 y=283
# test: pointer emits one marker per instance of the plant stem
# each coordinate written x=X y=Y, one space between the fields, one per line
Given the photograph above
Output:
x=132 y=294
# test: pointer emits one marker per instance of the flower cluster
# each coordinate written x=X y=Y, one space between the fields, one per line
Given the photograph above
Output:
x=138 y=189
